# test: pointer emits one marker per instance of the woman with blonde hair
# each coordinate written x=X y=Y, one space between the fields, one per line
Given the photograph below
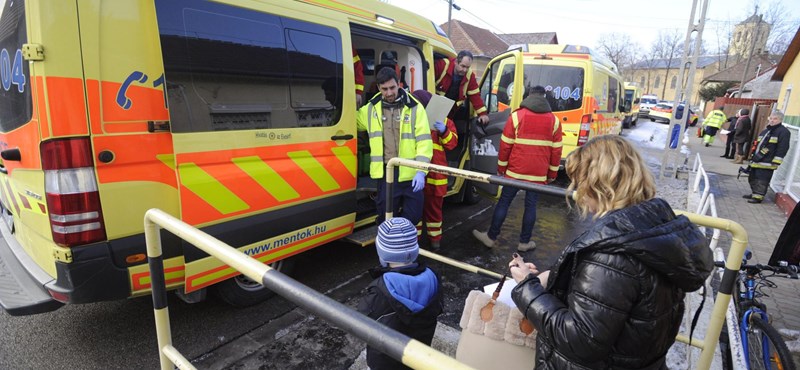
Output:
x=614 y=298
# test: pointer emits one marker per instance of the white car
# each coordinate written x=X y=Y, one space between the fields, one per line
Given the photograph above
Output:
x=646 y=103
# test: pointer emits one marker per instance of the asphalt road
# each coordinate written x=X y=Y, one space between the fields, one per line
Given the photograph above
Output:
x=121 y=334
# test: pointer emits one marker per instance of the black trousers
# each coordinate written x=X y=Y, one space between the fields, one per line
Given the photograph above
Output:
x=759 y=179
x=729 y=146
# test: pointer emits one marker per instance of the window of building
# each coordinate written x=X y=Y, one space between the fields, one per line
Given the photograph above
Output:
x=658 y=82
x=229 y=68
x=673 y=82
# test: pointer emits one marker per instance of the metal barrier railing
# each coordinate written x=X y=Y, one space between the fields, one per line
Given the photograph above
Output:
x=399 y=346
x=739 y=241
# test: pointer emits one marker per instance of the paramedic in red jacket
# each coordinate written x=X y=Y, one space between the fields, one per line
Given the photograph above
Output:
x=444 y=138
x=358 y=72
x=530 y=150
x=456 y=81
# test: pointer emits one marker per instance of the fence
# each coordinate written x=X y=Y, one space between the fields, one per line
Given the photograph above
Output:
x=707 y=205
x=400 y=347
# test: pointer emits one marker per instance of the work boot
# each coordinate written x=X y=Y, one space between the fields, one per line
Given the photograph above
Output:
x=435 y=245
x=754 y=201
x=524 y=247
x=707 y=144
x=748 y=196
x=724 y=156
x=484 y=238
x=739 y=159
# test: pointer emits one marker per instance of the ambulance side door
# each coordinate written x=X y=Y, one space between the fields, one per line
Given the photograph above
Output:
x=501 y=90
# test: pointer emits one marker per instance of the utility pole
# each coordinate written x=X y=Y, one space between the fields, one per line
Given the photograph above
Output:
x=449 y=17
x=687 y=89
x=753 y=40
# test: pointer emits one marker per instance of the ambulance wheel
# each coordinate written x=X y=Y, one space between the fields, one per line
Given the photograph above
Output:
x=241 y=291
x=471 y=195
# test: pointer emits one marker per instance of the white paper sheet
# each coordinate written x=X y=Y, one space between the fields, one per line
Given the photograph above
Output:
x=437 y=109
x=505 y=293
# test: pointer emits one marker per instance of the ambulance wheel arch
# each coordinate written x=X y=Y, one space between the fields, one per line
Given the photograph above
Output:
x=241 y=291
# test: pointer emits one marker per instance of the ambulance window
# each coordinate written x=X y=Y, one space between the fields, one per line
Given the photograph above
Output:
x=613 y=93
x=230 y=68
x=15 y=91
x=498 y=85
x=564 y=85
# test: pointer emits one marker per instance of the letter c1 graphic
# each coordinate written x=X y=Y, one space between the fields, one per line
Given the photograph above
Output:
x=122 y=99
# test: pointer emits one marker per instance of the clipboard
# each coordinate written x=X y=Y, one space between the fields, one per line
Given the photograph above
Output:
x=438 y=108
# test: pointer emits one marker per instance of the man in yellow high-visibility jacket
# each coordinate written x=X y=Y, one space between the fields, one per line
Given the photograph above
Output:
x=711 y=125
x=397 y=126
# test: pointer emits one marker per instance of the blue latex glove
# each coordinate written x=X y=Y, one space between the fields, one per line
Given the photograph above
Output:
x=418 y=182
x=440 y=127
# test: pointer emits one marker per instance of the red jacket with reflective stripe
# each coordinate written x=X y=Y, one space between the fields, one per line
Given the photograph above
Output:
x=444 y=69
x=436 y=183
x=530 y=148
x=358 y=72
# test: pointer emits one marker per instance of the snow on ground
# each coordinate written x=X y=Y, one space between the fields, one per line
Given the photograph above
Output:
x=650 y=138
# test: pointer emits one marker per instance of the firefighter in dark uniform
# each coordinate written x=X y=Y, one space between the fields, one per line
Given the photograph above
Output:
x=773 y=144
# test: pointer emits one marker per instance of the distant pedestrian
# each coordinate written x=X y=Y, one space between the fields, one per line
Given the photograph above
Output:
x=711 y=125
x=405 y=295
x=444 y=138
x=741 y=138
x=730 y=149
x=771 y=147
x=530 y=150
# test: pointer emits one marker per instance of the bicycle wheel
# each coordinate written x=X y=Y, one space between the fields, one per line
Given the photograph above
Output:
x=762 y=336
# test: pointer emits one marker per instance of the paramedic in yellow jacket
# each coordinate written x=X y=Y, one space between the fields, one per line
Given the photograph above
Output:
x=397 y=126
x=711 y=125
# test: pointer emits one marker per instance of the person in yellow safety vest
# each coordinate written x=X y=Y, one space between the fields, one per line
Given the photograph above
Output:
x=711 y=125
x=397 y=126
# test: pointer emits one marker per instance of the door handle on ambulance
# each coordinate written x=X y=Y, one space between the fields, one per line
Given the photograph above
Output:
x=11 y=155
x=342 y=137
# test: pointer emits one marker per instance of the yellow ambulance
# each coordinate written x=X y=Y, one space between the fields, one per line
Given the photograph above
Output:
x=583 y=88
x=633 y=94
x=236 y=116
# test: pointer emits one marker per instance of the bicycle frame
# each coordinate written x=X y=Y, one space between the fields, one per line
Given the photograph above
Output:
x=754 y=307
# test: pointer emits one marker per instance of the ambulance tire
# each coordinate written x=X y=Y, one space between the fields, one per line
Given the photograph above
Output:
x=471 y=195
x=240 y=291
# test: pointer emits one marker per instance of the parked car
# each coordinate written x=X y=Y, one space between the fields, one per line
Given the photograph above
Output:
x=646 y=103
x=662 y=112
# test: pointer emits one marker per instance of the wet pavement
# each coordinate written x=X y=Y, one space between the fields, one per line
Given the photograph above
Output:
x=297 y=340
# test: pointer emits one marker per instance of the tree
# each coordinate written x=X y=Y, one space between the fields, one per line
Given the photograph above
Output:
x=714 y=90
x=618 y=48
x=782 y=27
x=667 y=47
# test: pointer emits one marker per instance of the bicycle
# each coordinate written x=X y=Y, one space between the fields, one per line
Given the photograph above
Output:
x=763 y=346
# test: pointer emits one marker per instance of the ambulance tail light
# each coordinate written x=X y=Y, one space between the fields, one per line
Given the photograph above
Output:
x=586 y=126
x=71 y=190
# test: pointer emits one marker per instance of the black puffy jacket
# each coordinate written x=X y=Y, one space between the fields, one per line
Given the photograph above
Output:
x=614 y=298
x=407 y=299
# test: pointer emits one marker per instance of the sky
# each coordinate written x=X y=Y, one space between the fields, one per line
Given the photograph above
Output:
x=582 y=21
